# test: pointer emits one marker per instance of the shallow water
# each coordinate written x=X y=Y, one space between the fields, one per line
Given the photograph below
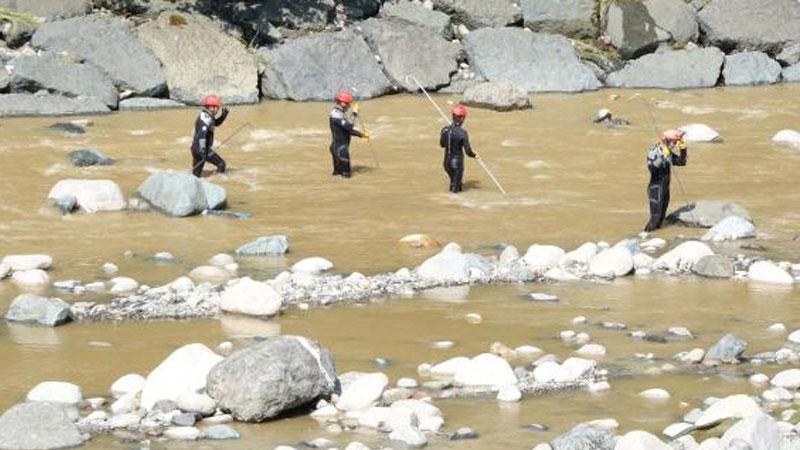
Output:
x=568 y=182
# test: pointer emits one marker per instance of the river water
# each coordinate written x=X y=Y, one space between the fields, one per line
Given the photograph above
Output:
x=569 y=181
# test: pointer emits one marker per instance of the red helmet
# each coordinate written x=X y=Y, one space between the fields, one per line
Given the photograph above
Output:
x=212 y=100
x=460 y=111
x=344 y=97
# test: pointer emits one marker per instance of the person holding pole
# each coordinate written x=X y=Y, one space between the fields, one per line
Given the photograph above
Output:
x=455 y=141
x=669 y=151
x=203 y=141
x=342 y=129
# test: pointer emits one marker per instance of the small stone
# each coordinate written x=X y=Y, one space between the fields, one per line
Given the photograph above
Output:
x=464 y=433
x=567 y=335
x=220 y=433
x=579 y=320
x=602 y=386
x=680 y=333
x=592 y=351
x=759 y=379
x=473 y=318
x=443 y=345
x=777 y=328
x=655 y=394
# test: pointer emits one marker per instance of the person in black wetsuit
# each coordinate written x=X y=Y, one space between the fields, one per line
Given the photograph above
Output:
x=203 y=141
x=455 y=142
x=342 y=129
x=669 y=151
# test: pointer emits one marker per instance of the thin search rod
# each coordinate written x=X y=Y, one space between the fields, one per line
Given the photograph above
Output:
x=436 y=105
x=222 y=144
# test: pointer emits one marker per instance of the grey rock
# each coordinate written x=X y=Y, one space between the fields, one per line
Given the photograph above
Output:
x=43 y=104
x=416 y=14
x=584 y=437
x=535 y=62
x=38 y=425
x=220 y=433
x=184 y=419
x=68 y=127
x=145 y=8
x=750 y=68
x=463 y=434
x=706 y=213
x=481 y=13
x=265 y=246
x=568 y=17
x=58 y=75
x=89 y=157
x=164 y=406
x=44 y=311
x=148 y=103
x=398 y=46
x=48 y=9
x=727 y=350
x=5 y=80
x=714 y=266
x=671 y=69
x=309 y=68
x=179 y=194
x=791 y=74
x=763 y=25
x=108 y=43
x=636 y=28
x=216 y=196
x=498 y=96
x=198 y=57
x=66 y=204
x=276 y=375
x=790 y=55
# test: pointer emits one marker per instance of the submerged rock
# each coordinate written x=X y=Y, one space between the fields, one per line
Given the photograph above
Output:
x=787 y=137
x=706 y=213
x=38 y=425
x=265 y=246
x=419 y=241
x=44 y=311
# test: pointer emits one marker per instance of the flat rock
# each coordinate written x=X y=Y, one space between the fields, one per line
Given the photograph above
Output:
x=480 y=13
x=750 y=68
x=92 y=196
x=535 y=62
x=276 y=245
x=571 y=18
x=313 y=266
x=148 y=104
x=34 y=309
x=362 y=393
x=731 y=228
x=184 y=371
x=89 y=157
x=671 y=69
x=706 y=213
x=714 y=266
x=38 y=425
x=497 y=96
x=736 y=406
x=198 y=57
x=761 y=25
x=416 y=14
x=107 y=42
x=637 y=28
x=43 y=104
x=309 y=68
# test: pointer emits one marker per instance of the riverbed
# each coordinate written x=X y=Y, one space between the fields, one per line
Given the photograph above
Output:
x=569 y=181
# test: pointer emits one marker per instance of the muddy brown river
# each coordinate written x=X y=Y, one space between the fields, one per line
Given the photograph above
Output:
x=569 y=181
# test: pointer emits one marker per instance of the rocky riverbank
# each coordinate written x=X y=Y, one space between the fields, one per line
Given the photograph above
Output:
x=97 y=56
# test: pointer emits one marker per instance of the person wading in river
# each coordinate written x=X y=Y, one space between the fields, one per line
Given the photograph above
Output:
x=660 y=159
x=342 y=129
x=203 y=142
x=455 y=140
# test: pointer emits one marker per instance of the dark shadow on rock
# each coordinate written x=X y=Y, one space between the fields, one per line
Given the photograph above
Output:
x=674 y=217
x=638 y=26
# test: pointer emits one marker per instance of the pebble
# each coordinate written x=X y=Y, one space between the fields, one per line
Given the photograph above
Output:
x=612 y=325
x=537 y=428
x=582 y=338
x=567 y=335
x=680 y=333
x=163 y=257
x=655 y=394
x=677 y=430
x=473 y=318
x=528 y=351
x=777 y=395
x=224 y=348
x=609 y=425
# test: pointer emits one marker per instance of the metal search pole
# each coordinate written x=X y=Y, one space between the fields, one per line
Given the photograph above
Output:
x=447 y=119
x=222 y=144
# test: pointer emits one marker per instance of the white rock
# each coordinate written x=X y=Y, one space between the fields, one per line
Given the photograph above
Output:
x=110 y=268
x=582 y=338
x=28 y=262
x=777 y=328
x=610 y=425
x=653 y=244
x=768 y=272
x=211 y=274
x=182 y=433
x=96 y=417
x=449 y=265
x=777 y=395
x=362 y=393
x=561 y=275
x=93 y=195
x=443 y=345
x=680 y=332
x=759 y=379
x=123 y=285
x=736 y=406
x=31 y=278
x=485 y=370
x=182 y=285
x=473 y=318
x=789 y=379
x=640 y=440
x=450 y=367
x=579 y=320
x=677 y=429
x=541 y=258
x=614 y=262
x=787 y=137
x=731 y=228
x=221 y=260
x=252 y=298
x=599 y=387
x=125 y=404
x=567 y=335
x=528 y=351
x=407 y=383
x=592 y=351
x=546 y=372
x=683 y=257
x=124 y=420
x=196 y=403
x=131 y=383
x=655 y=394
x=5 y=270
x=760 y=431
x=184 y=371
x=326 y=412
x=542 y=297
x=642 y=261
x=794 y=337
x=429 y=417
x=313 y=265
x=581 y=255
x=509 y=393
x=56 y=392
x=543 y=446
x=698 y=132
x=574 y=369
x=710 y=444
x=356 y=446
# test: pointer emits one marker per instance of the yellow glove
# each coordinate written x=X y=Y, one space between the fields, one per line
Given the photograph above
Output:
x=366 y=135
x=682 y=144
x=477 y=155
x=356 y=107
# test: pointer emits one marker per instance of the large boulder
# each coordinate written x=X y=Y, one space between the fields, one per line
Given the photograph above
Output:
x=273 y=376
x=92 y=195
x=398 y=46
x=533 y=61
x=671 y=69
x=183 y=372
x=38 y=425
x=706 y=213
x=57 y=74
x=497 y=95
x=49 y=9
x=311 y=68
x=50 y=312
x=481 y=13
x=199 y=57
x=108 y=43
x=265 y=246
x=178 y=194
x=731 y=228
x=252 y=298
x=416 y=14
x=636 y=28
x=447 y=266
x=571 y=17
x=683 y=257
x=584 y=437
x=763 y=25
x=44 y=104
x=750 y=68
